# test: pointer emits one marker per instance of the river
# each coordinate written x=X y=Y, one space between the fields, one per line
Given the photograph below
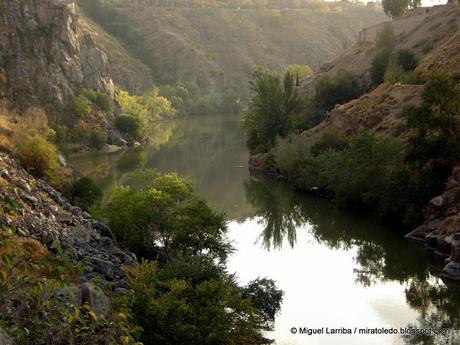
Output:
x=337 y=269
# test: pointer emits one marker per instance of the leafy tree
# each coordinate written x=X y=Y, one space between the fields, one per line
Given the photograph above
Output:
x=166 y=218
x=130 y=126
x=266 y=297
x=435 y=124
x=396 y=8
x=175 y=310
x=269 y=110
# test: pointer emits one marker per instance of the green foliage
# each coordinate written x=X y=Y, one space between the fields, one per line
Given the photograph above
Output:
x=265 y=297
x=81 y=106
x=268 y=114
x=166 y=218
x=105 y=103
x=330 y=140
x=396 y=8
x=188 y=99
x=130 y=126
x=299 y=72
x=394 y=178
x=379 y=65
x=407 y=60
x=37 y=300
x=91 y=135
x=338 y=89
x=83 y=103
x=190 y=302
x=90 y=95
x=435 y=124
x=37 y=156
x=85 y=193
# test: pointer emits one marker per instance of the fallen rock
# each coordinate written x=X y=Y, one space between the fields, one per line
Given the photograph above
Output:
x=94 y=297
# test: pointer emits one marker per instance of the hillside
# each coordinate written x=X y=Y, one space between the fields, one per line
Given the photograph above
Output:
x=217 y=48
x=431 y=33
x=388 y=136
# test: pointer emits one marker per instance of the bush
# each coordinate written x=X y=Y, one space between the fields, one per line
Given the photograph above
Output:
x=85 y=193
x=338 y=89
x=379 y=65
x=330 y=140
x=37 y=156
x=89 y=94
x=81 y=106
x=167 y=210
x=97 y=139
x=105 y=103
x=91 y=135
x=129 y=125
x=407 y=60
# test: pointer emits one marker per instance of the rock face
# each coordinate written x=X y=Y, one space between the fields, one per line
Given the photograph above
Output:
x=44 y=214
x=441 y=230
x=45 y=58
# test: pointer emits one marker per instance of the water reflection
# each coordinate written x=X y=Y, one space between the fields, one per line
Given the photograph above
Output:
x=381 y=254
x=357 y=270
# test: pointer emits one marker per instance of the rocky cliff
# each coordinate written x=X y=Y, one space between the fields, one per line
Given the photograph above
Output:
x=45 y=56
x=441 y=231
x=45 y=215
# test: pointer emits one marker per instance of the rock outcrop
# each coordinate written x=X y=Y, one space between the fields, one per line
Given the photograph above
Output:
x=42 y=213
x=441 y=231
x=45 y=58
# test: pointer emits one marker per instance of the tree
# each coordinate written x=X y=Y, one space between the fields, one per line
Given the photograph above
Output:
x=396 y=8
x=269 y=110
x=435 y=124
x=265 y=297
x=164 y=218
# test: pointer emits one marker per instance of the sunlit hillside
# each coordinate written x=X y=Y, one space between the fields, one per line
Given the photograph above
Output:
x=220 y=47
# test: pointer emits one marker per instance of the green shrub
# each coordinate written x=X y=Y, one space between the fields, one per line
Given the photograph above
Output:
x=166 y=209
x=337 y=89
x=407 y=60
x=37 y=156
x=89 y=94
x=105 y=103
x=97 y=139
x=129 y=125
x=81 y=106
x=330 y=140
x=379 y=66
x=85 y=193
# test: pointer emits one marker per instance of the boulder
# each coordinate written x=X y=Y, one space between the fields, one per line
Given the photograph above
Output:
x=103 y=267
x=96 y=298
x=111 y=148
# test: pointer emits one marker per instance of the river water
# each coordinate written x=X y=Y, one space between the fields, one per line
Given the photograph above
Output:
x=337 y=269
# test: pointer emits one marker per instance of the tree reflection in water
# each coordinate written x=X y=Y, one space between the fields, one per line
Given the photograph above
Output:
x=382 y=254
